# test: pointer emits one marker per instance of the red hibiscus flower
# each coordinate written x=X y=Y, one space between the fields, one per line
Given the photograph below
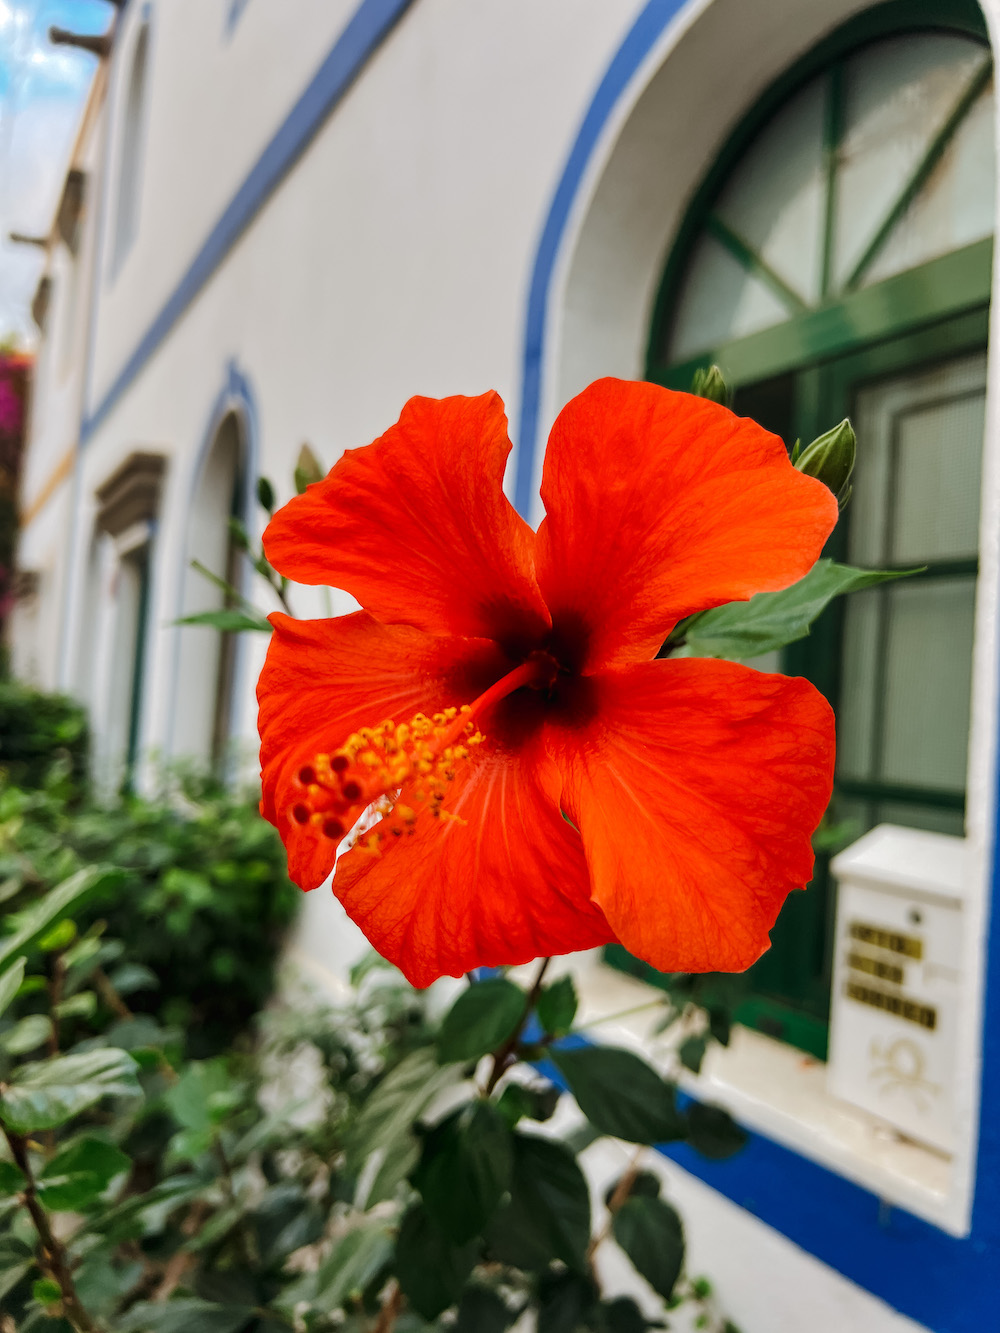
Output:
x=544 y=784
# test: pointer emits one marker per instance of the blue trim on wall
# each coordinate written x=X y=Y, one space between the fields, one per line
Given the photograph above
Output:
x=951 y=1285
x=235 y=13
x=365 y=31
x=639 y=41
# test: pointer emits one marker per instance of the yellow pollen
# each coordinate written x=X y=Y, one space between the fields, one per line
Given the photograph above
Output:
x=370 y=768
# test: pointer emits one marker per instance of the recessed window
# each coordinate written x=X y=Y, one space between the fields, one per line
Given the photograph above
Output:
x=207 y=660
x=130 y=155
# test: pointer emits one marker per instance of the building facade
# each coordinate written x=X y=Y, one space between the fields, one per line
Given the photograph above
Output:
x=280 y=222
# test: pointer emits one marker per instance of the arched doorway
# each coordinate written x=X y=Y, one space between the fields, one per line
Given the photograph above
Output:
x=206 y=663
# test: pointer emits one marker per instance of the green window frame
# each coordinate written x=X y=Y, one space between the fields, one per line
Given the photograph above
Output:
x=800 y=376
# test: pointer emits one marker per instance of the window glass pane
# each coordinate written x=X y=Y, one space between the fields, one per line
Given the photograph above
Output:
x=928 y=670
x=916 y=486
x=859 y=678
x=955 y=205
x=904 y=711
x=775 y=199
x=720 y=300
x=897 y=95
x=939 y=449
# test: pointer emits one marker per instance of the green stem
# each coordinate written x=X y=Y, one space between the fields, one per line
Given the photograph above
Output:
x=502 y=1057
x=611 y=1018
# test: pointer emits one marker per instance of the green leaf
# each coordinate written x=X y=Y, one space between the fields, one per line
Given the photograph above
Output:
x=620 y=1094
x=308 y=469
x=265 y=494
x=623 y=1316
x=430 y=1270
x=356 y=1260
x=773 y=619
x=33 y=924
x=27 y=1035
x=190 y=1100
x=46 y=1292
x=385 y=1124
x=81 y=1005
x=228 y=619
x=10 y=982
x=12 y=1179
x=650 y=1233
x=519 y=1100
x=692 y=1052
x=483 y=1310
x=565 y=1301
x=131 y=977
x=643 y=1183
x=285 y=1220
x=79 y=1174
x=47 y=1094
x=188 y=1315
x=713 y=1132
x=61 y=936
x=548 y=1215
x=482 y=1018
x=464 y=1169
x=556 y=1007
x=11 y=1273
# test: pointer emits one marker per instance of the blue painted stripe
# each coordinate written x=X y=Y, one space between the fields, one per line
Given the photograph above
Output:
x=949 y=1284
x=641 y=38
x=367 y=29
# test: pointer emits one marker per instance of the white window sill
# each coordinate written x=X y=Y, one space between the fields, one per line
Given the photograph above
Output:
x=781 y=1093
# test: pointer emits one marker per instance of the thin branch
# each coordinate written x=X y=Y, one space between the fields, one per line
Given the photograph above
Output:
x=391 y=1309
x=621 y=1192
x=502 y=1057
x=53 y=1261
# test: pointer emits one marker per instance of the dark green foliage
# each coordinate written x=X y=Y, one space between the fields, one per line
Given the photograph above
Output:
x=202 y=897
x=556 y=1007
x=199 y=1187
x=620 y=1094
x=650 y=1233
x=566 y=1301
x=480 y=1020
x=483 y=1310
x=548 y=1214
x=38 y=729
x=713 y=1131
x=465 y=1169
x=431 y=1270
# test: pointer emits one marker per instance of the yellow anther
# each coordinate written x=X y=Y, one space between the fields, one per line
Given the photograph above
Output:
x=374 y=764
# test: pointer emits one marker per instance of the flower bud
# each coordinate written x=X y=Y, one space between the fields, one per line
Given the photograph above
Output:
x=711 y=385
x=830 y=459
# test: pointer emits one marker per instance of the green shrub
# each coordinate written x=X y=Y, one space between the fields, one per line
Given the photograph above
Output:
x=201 y=903
x=35 y=730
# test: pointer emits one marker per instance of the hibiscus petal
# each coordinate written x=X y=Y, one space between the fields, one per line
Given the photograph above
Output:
x=659 y=504
x=696 y=786
x=323 y=679
x=507 y=885
x=417 y=527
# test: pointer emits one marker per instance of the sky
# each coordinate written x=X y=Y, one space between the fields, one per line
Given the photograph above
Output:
x=42 y=91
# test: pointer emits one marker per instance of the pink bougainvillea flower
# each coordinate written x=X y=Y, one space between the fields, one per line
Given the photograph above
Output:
x=539 y=782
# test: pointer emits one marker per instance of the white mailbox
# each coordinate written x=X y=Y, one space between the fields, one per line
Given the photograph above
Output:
x=896 y=979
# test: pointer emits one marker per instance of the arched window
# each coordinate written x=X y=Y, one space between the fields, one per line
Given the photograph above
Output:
x=836 y=262
x=207 y=658
x=130 y=155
